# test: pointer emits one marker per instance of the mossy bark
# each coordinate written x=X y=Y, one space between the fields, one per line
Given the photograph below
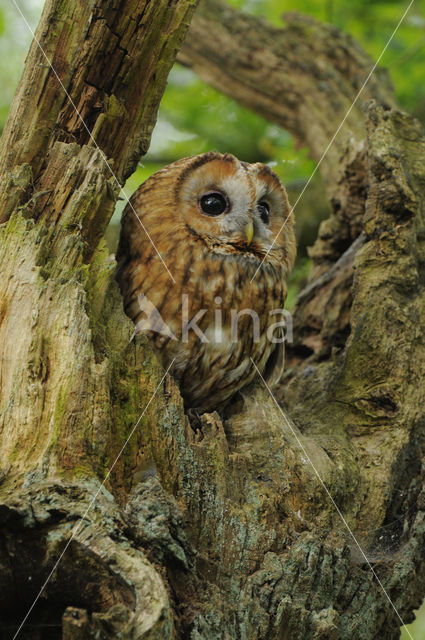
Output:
x=72 y=385
x=227 y=531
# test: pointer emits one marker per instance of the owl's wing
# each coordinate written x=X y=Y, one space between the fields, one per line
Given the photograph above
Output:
x=276 y=362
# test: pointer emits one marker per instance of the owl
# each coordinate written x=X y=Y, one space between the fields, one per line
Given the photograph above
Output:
x=203 y=272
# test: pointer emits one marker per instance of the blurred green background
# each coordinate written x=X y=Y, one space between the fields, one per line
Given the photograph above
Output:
x=194 y=118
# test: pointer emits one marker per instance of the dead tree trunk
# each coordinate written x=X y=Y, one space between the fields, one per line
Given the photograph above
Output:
x=245 y=540
x=72 y=387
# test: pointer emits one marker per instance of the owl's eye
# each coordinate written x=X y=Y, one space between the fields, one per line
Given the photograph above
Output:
x=264 y=211
x=213 y=203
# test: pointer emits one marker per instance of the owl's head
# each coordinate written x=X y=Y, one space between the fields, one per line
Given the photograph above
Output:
x=235 y=208
x=235 y=205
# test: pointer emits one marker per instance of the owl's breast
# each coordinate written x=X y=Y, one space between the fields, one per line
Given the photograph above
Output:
x=224 y=321
x=209 y=322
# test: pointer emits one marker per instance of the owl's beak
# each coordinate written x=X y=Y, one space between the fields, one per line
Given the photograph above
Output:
x=249 y=232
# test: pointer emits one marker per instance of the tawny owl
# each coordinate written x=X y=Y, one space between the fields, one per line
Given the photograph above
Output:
x=211 y=220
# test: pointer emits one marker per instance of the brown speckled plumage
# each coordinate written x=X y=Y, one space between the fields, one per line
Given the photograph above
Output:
x=209 y=257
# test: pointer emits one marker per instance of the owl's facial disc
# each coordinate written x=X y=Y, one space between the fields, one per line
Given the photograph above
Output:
x=235 y=205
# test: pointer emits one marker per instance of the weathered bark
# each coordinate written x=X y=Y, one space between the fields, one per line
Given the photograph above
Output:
x=226 y=532
x=72 y=385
